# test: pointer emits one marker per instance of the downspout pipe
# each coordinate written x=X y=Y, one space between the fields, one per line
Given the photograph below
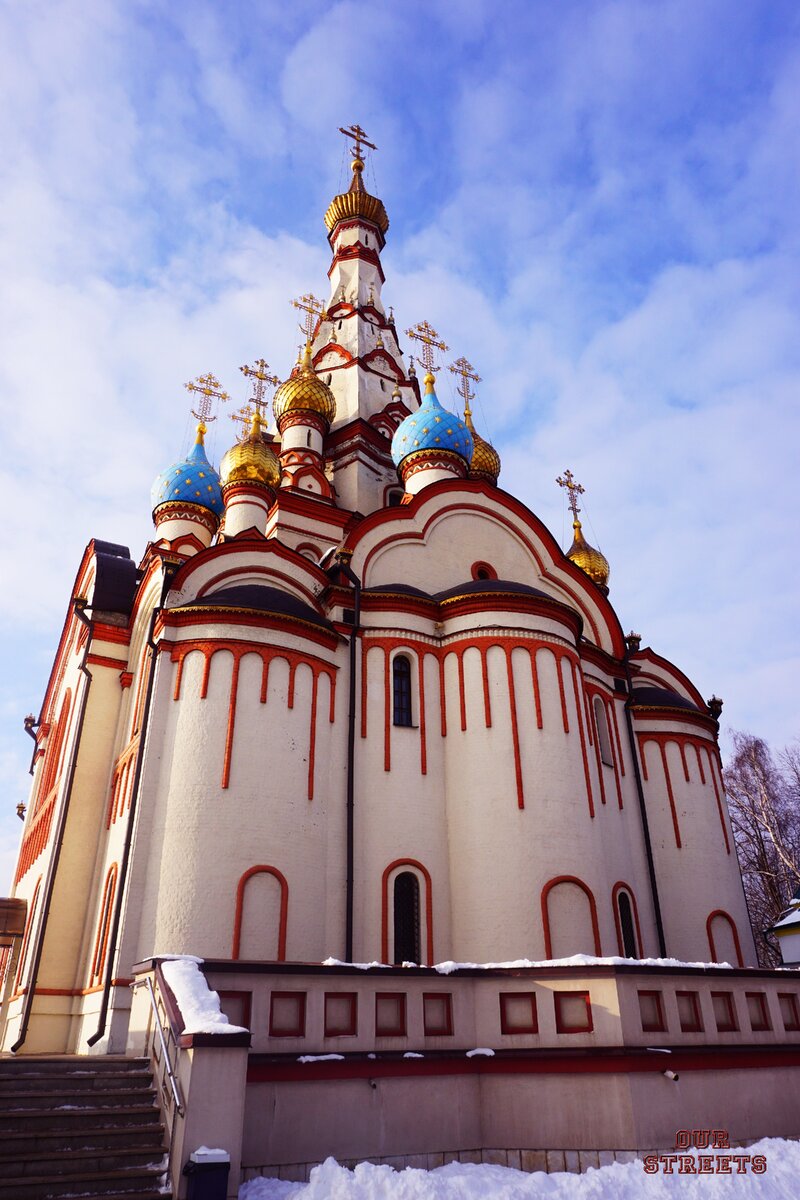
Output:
x=79 y=608
x=648 y=845
x=102 y=1020
x=343 y=562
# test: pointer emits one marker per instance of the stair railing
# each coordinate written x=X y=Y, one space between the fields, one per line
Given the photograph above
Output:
x=166 y=1059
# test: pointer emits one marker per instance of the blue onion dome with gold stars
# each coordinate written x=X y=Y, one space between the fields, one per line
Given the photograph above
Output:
x=192 y=480
x=431 y=427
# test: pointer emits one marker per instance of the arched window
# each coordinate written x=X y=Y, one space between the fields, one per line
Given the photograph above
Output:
x=603 y=737
x=401 y=680
x=406 y=918
x=629 y=948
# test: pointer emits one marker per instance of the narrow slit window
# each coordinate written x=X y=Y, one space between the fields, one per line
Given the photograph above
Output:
x=401 y=679
x=406 y=918
x=629 y=947
x=603 y=738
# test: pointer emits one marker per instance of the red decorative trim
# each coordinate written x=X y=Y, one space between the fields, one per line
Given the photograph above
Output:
x=226 y=763
x=177 y=619
x=487 y=699
x=620 y=758
x=462 y=700
x=351 y=1029
x=117 y=634
x=506 y=1025
x=548 y=887
x=696 y=1024
x=430 y=1028
x=561 y=693
x=102 y=660
x=262 y=869
x=103 y=926
x=674 y=675
x=299 y=1030
x=659 y=1025
x=387 y=711
x=125 y=679
x=428 y=460
x=512 y=702
x=401 y=1028
x=406 y=862
x=584 y=754
x=592 y=1061
x=720 y=912
x=620 y=886
x=423 y=741
x=537 y=699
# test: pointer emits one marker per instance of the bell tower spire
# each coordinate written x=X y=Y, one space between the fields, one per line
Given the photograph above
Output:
x=354 y=342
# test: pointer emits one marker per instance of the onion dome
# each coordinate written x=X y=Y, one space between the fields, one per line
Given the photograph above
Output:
x=591 y=561
x=431 y=427
x=304 y=391
x=357 y=202
x=191 y=481
x=485 y=462
x=251 y=461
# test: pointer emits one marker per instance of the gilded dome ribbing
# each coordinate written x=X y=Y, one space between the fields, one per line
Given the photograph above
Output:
x=485 y=461
x=304 y=391
x=591 y=561
x=357 y=202
x=251 y=461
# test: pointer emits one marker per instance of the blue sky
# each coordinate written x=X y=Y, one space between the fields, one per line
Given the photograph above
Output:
x=597 y=202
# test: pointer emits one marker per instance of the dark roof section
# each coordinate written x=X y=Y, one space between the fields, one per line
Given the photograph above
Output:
x=116 y=578
x=476 y=587
x=480 y=586
x=256 y=598
x=655 y=697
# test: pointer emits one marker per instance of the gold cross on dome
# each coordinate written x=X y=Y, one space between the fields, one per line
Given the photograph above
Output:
x=359 y=137
x=244 y=417
x=209 y=389
x=573 y=491
x=313 y=308
x=465 y=369
x=427 y=335
x=260 y=374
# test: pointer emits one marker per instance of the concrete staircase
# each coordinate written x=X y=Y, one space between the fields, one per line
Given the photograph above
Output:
x=80 y=1126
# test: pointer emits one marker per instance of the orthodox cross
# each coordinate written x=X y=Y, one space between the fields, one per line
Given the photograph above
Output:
x=467 y=372
x=359 y=137
x=313 y=308
x=209 y=389
x=260 y=374
x=427 y=335
x=573 y=491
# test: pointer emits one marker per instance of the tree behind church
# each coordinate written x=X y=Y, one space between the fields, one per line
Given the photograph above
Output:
x=764 y=803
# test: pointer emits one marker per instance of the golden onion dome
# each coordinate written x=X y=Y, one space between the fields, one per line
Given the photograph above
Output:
x=304 y=391
x=357 y=202
x=485 y=462
x=251 y=461
x=591 y=561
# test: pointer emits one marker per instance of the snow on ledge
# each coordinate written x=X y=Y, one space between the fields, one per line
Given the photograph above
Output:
x=576 y=960
x=199 y=1005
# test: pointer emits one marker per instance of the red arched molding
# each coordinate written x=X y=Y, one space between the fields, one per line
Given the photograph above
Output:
x=307 y=549
x=103 y=924
x=483 y=570
x=52 y=758
x=626 y=887
x=237 y=920
x=406 y=862
x=548 y=944
x=720 y=912
x=26 y=937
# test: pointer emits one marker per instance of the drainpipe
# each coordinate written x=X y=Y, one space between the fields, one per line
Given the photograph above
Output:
x=102 y=1020
x=632 y=644
x=30 y=724
x=79 y=608
x=343 y=562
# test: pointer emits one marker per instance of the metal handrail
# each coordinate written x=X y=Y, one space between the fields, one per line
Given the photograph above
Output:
x=176 y=1091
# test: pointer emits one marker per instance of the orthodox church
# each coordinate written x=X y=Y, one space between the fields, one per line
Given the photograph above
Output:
x=354 y=703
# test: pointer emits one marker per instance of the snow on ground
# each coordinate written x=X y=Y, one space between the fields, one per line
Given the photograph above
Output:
x=465 y=1181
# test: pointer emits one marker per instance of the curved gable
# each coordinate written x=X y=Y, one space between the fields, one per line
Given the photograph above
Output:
x=433 y=542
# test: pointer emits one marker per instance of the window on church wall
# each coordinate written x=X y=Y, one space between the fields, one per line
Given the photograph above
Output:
x=651 y=1012
x=437 y=1014
x=406 y=918
x=341 y=1014
x=724 y=1007
x=573 y=1012
x=287 y=1014
x=757 y=1011
x=789 y=1003
x=101 y=939
x=390 y=1014
x=629 y=947
x=401 y=690
x=518 y=1012
x=603 y=736
x=237 y=1007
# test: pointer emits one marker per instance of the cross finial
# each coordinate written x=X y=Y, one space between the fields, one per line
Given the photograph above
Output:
x=313 y=308
x=359 y=138
x=427 y=335
x=209 y=389
x=465 y=369
x=259 y=372
x=244 y=417
x=573 y=491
